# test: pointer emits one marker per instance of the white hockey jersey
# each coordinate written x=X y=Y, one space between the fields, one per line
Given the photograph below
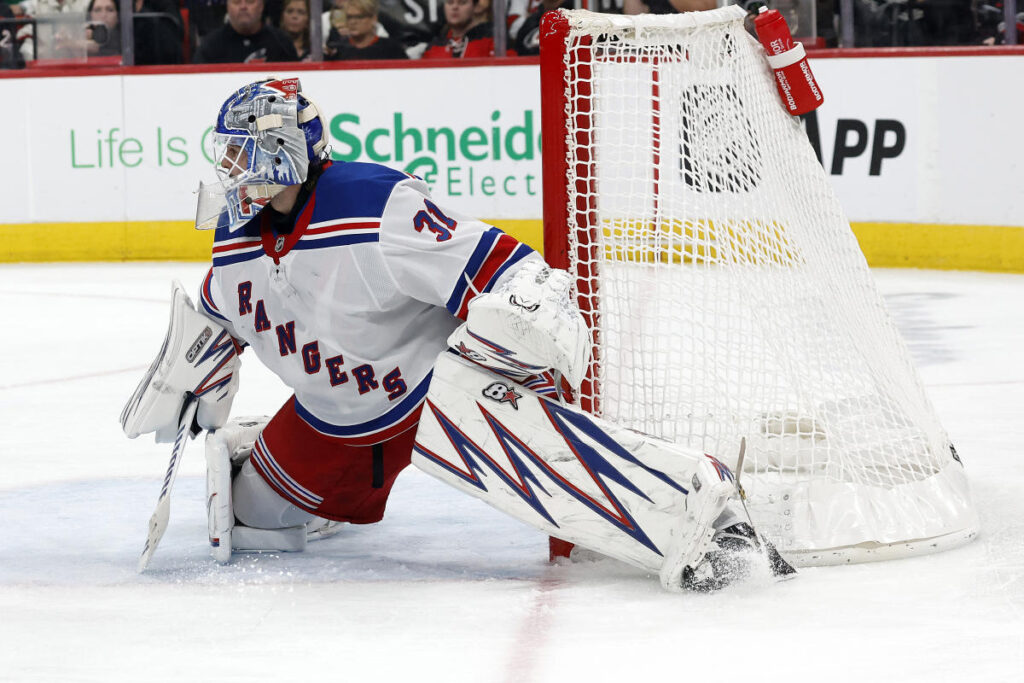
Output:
x=353 y=306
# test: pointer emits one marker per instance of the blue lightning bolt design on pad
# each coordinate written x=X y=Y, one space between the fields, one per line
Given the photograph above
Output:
x=724 y=473
x=579 y=433
x=566 y=422
x=505 y=355
x=615 y=513
x=523 y=481
x=222 y=346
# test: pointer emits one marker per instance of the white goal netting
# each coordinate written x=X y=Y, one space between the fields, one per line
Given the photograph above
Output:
x=728 y=296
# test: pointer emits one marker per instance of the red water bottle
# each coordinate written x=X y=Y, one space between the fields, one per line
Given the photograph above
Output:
x=799 y=91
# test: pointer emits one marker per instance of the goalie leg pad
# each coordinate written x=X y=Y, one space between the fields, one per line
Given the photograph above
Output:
x=235 y=491
x=227 y=449
x=641 y=500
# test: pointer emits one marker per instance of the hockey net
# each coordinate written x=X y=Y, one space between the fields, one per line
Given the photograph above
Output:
x=728 y=297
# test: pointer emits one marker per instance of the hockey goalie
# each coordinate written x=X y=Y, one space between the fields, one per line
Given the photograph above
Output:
x=409 y=333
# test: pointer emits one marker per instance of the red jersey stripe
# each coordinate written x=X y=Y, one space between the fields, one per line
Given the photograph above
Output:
x=503 y=248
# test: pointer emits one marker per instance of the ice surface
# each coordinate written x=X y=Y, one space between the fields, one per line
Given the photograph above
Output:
x=445 y=589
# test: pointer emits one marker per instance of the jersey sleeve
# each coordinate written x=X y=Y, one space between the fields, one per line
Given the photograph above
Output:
x=440 y=256
x=209 y=298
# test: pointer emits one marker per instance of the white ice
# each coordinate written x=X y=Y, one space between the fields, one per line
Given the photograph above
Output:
x=445 y=589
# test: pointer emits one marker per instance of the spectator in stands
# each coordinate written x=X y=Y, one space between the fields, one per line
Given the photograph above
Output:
x=517 y=12
x=991 y=24
x=947 y=22
x=295 y=24
x=245 y=38
x=159 y=32
x=333 y=20
x=44 y=10
x=273 y=10
x=10 y=57
x=899 y=23
x=363 y=41
x=334 y=26
x=102 y=33
x=409 y=22
x=459 y=37
x=205 y=17
x=482 y=12
x=665 y=6
x=527 y=41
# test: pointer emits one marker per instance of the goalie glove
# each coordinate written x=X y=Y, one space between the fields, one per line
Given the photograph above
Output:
x=198 y=357
x=528 y=324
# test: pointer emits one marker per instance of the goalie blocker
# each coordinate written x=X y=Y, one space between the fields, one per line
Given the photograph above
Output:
x=644 y=501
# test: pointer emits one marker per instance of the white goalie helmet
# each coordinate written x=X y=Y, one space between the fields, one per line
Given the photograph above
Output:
x=267 y=134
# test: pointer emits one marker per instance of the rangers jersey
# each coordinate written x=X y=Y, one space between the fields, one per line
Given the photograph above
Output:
x=351 y=308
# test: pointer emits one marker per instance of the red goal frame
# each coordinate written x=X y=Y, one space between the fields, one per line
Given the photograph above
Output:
x=555 y=96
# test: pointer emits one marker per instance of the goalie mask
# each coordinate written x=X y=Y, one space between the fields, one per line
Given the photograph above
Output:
x=265 y=138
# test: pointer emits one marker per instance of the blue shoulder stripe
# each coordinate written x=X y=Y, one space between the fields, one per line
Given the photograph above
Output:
x=483 y=247
x=339 y=241
x=249 y=229
x=354 y=189
x=237 y=258
x=521 y=252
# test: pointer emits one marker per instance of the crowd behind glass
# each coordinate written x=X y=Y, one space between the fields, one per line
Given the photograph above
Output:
x=38 y=33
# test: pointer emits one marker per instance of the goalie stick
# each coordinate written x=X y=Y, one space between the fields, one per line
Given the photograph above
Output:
x=158 y=520
x=778 y=565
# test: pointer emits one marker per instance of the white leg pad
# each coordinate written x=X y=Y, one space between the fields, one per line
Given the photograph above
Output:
x=222 y=444
x=244 y=514
x=642 y=500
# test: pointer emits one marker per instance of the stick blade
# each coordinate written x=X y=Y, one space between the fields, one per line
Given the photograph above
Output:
x=157 y=527
x=158 y=520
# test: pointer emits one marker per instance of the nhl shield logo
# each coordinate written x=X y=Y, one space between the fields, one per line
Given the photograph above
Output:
x=502 y=393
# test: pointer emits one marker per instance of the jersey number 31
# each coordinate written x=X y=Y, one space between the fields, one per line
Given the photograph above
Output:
x=435 y=221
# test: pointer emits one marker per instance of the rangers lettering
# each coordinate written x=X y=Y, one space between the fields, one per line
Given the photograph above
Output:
x=311 y=357
x=394 y=384
x=334 y=370
x=286 y=337
x=244 y=295
x=364 y=377
x=261 y=323
x=312 y=360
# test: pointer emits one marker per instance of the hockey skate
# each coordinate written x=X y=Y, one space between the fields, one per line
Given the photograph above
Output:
x=736 y=554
